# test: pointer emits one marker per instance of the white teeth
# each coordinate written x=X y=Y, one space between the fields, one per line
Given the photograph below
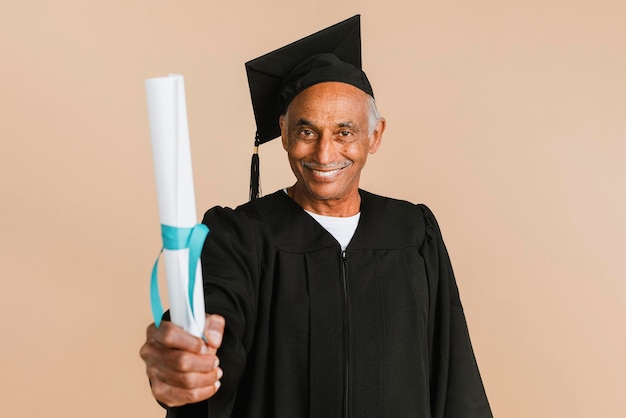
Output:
x=326 y=173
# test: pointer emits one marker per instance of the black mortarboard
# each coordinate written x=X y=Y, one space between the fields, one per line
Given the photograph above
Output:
x=332 y=54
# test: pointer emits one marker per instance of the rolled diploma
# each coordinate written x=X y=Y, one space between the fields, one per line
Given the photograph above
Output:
x=169 y=134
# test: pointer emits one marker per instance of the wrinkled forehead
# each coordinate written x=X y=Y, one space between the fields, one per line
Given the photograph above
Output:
x=328 y=101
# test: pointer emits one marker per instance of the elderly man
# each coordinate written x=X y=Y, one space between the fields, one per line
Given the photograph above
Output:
x=326 y=300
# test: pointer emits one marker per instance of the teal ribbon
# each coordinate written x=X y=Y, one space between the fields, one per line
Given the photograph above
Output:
x=178 y=239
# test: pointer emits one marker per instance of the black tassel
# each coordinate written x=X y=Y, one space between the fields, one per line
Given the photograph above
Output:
x=255 y=188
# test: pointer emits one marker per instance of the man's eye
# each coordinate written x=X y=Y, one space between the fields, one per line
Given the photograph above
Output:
x=345 y=133
x=306 y=135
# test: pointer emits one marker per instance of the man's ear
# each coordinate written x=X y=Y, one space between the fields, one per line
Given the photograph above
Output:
x=377 y=136
x=282 y=121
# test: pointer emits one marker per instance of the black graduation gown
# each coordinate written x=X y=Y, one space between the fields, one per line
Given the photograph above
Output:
x=375 y=331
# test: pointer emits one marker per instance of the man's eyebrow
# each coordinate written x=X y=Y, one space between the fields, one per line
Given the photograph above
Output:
x=349 y=124
x=306 y=122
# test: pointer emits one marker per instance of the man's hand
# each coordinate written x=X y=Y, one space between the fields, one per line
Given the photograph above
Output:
x=182 y=368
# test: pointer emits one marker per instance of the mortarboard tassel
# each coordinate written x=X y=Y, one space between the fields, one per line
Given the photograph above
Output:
x=255 y=188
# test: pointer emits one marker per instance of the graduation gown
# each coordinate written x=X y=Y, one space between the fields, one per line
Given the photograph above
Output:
x=377 y=330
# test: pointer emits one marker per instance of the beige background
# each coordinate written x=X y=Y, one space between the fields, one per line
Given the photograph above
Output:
x=506 y=118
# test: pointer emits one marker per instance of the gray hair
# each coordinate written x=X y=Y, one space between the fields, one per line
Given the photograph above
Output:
x=373 y=115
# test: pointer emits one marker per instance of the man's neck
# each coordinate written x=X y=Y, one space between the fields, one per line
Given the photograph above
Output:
x=342 y=207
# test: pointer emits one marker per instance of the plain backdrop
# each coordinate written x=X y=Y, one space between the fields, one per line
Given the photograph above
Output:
x=507 y=118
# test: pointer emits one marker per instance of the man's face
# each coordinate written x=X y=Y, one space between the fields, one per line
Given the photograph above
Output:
x=326 y=135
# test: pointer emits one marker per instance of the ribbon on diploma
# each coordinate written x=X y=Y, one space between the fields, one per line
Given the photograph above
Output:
x=178 y=239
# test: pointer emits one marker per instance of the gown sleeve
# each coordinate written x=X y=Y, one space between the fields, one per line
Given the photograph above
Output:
x=230 y=269
x=456 y=388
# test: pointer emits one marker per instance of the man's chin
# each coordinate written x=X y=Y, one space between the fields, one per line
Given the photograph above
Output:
x=324 y=192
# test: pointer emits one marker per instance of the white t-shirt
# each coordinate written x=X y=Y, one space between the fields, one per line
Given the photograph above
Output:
x=342 y=229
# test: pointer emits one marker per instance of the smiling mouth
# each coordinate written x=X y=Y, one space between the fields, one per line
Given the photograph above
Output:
x=326 y=173
x=330 y=170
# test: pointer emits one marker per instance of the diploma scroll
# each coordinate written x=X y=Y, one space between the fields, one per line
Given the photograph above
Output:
x=183 y=238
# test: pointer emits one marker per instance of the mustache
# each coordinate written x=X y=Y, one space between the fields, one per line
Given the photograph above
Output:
x=330 y=166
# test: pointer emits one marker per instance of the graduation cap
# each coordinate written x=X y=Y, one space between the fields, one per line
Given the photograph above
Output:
x=276 y=78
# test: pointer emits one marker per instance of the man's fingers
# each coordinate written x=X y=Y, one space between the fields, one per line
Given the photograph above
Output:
x=157 y=355
x=182 y=368
x=172 y=336
x=214 y=331
x=184 y=380
x=173 y=396
x=178 y=377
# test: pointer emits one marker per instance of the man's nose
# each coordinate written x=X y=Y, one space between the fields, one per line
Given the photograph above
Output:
x=325 y=150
